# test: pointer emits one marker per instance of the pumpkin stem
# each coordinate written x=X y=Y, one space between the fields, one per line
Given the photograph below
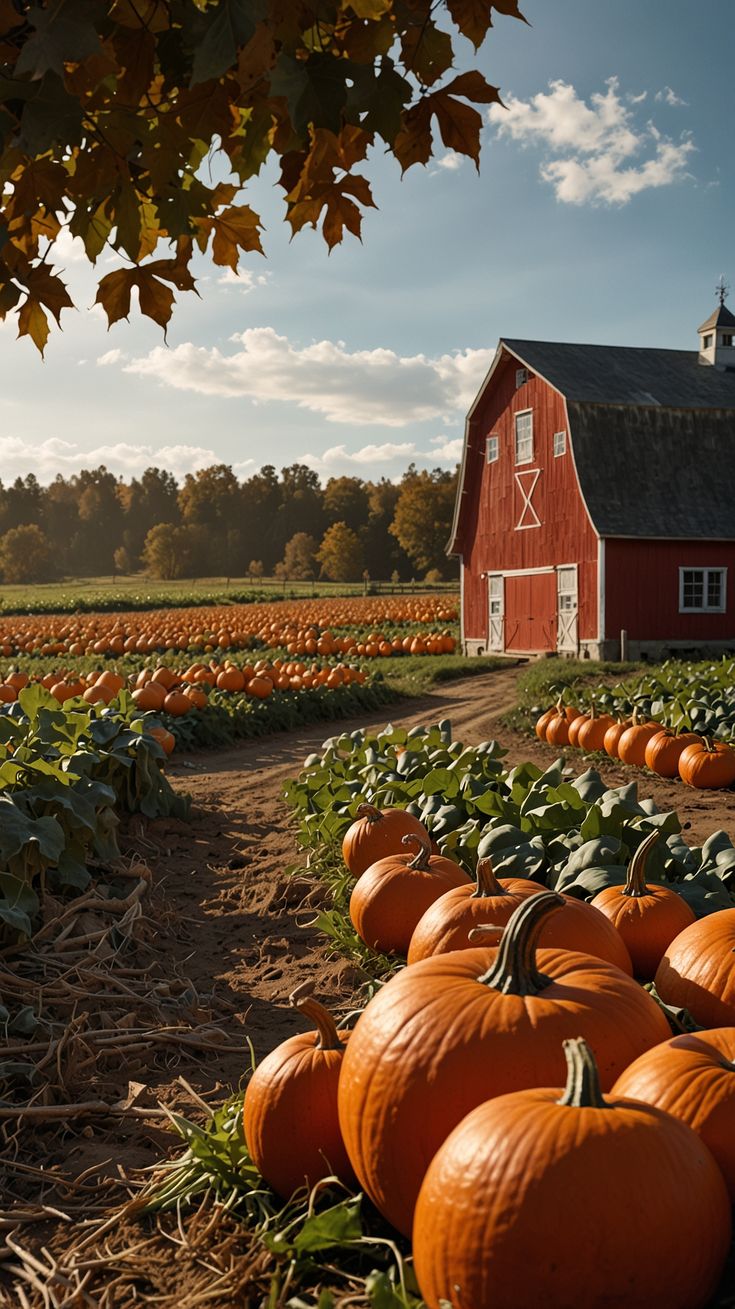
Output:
x=514 y=970
x=487 y=882
x=423 y=854
x=582 y=1090
x=327 y=1034
x=369 y=811
x=635 y=882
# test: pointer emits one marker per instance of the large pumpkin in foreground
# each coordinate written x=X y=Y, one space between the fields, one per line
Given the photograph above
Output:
x=391 y=896
x=548 y=1200
x=451 y=1031
x=697 y=971
x=692 y=1076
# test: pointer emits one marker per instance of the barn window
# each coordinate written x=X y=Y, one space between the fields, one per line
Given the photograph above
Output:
x=521 y=377
x=707 y=341
x=702 y=590
x=727 y=338
x=492 y=448
x=524 y=437
x=560 y=444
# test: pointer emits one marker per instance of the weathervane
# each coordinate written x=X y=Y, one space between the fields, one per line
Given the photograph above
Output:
x=722 y=289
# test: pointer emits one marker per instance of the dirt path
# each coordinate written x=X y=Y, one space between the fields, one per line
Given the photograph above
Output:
x=230 y=931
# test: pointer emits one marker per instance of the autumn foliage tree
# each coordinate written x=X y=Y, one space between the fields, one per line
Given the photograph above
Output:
x=299 y=559
x=25 y=554
x=423 y=516
x=340 y=554
x=110 y=108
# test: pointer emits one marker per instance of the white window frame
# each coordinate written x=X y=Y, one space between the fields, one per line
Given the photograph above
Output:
x=560 y=444
x=703 y=608
x=707 y=342
x=492 y=443
x=523 y=413
x=521 y=377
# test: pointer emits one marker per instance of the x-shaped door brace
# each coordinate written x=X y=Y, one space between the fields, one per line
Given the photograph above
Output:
x=527 y=491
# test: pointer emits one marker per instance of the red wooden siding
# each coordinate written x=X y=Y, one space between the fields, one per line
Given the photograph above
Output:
x=642 y=590
x=530 y=612
x=488 y=537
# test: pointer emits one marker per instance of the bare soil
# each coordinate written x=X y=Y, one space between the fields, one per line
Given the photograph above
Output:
x=227 y=930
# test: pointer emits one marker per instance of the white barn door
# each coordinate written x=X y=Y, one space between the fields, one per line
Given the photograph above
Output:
x=566 y=609
x=496 y=608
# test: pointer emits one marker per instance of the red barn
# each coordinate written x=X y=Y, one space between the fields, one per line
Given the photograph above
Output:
x=596 y=497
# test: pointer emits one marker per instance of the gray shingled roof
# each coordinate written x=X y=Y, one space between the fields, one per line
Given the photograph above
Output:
x=653 y=435
x=624 y=374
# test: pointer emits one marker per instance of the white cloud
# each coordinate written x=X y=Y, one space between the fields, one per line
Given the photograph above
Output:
x=47 y=458
x=362 y=386
x=67 y=249
x=451 y=161
x=594 y=151
x=244 y=280
x=110 y=357
x=338 y=459
x=669 y=97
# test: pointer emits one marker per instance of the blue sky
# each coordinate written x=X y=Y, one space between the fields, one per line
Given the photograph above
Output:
x=603 y=212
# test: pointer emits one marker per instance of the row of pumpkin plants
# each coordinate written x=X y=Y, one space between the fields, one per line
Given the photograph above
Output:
x=215 y=703
x=67 y=774
x=492 y=990
x=685 y=703
x=344 y=625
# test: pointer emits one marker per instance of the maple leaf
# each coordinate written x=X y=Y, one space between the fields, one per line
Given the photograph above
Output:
x=510 y=7
x=473 y=86
x=32 y=321
x=235 y=229
x=114 y=291
x=459 y=124
x=473 y=18
x=49 y=290
x=414 y=141
x=155 y=298
x=427 y=52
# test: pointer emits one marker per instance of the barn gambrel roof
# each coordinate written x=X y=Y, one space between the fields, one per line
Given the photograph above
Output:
x=652 y=434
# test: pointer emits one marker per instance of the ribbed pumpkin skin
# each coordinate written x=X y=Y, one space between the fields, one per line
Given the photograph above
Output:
x=390 y=898
x=665 y=749
x=611 y=739
x=591 y=735
x=543 y=722
x=633 y=742
x=290 y=1115
x=647 y=924
x=692 y=1077
x=698 y=970
x=370 y=839
x=707 y=768
x=447 y=923
x=577 y=927
x=575 y=727
x=557 y=730
x=535 y=1205
x=435 y=1042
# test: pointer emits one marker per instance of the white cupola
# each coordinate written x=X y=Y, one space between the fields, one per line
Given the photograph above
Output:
x=717 y=334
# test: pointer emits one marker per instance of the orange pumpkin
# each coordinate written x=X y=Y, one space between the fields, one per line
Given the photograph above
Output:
x=664 y=750
x=633 y=741
x=591 y=735
x=648 y=917
x=557 y=729
x=393 y=894
x=651 y=1226
x=165 y=739
x=692 y=1076
x=177 y=703
x=697 y=971
x=150 y=696
x=543 y=722
x=290 y=1106
x=447 y=923
x=454 y=1030
x=611 y=739
x=375 y=834
x=708 y=765
x=575 y=728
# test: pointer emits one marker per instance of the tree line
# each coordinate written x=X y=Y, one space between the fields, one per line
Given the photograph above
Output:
x=212 y=524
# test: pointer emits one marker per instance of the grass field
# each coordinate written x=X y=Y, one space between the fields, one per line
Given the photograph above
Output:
x=139 y=590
